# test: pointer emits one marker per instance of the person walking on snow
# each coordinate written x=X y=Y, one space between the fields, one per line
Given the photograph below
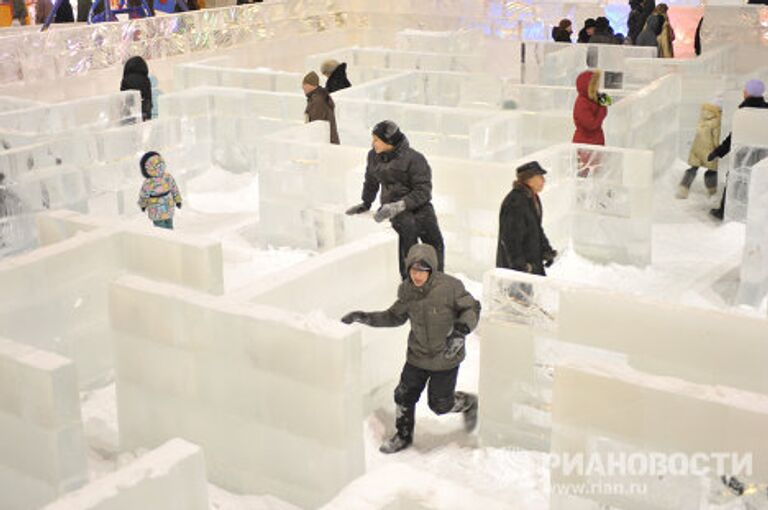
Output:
x=442 y=314
x=753 y=98
x=159 y=194
x=320 y=105
x=406 y=192
x=589 y=112
x=336 y=76
x=522 y=244
x=707 y=136
x=136 y=77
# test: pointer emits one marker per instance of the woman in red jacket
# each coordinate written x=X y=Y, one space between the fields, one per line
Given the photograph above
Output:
x=589 y=111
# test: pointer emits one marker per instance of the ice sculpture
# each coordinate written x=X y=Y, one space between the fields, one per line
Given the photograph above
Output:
x=43 y=449
x=749 y=148
x=171 y=477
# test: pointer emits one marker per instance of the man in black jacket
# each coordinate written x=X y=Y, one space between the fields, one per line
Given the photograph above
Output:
x=522 y=244
x=336 y=75
x=441 y=313
x=406 y=192
x=753 y=98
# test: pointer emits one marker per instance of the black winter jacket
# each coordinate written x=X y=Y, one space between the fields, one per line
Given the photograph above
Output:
x=751 y=102
x=521 y=238
x=403 y=174
x=338 y=79
x=136 y=77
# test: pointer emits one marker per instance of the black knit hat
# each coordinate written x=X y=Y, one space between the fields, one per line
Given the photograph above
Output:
x=528 y=170
x=143 y=163
x=388 y=132
x=590 y=23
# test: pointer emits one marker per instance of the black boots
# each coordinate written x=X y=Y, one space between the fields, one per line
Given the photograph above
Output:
x=404 y=423
x=466 y=403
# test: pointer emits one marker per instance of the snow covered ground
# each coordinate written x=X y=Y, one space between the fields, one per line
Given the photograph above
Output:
x=695 y=261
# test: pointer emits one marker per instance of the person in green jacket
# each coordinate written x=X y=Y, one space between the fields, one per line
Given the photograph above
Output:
x=442 y=314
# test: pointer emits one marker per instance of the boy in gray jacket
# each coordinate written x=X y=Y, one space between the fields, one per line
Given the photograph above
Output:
x=442 y=313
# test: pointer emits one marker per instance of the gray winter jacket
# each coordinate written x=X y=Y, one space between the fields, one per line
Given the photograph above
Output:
x=433 y=310
x=649 y=35
x=403 y=174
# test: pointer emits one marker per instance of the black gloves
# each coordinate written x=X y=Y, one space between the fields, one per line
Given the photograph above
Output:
x=455 y=340
x=549 y=258
x=356 y=316
x=358 y=209
x=712 y=155
x=178 y=204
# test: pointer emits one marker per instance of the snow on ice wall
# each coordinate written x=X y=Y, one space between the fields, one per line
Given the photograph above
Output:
x=66 y=282
x=42 y=449
x=747 y=195
x=272 y=397
x=170 y=477
x=360 y=275
x=607 y=409
x=535 y=324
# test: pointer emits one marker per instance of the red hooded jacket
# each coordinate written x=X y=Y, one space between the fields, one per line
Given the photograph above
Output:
x=588 y=116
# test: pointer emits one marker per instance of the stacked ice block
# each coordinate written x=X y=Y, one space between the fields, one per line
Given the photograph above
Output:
x=171 y=477
x=272 y=397
x=42 y=447
x=745 y=199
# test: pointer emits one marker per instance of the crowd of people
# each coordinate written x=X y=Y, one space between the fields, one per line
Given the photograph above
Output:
x=647 y=25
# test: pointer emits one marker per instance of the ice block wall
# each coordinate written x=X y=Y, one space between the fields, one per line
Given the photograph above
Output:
x=749 y=147
x=231 y=120
x=42 y=450
x=561 y=64
x=272 y=397
x=171 y=477
x=748 y=180
x=361 y=275
x=605 y=409
x=66 y=282
x=536 y=324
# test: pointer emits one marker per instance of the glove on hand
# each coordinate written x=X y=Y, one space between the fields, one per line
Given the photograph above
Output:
x=549 y=258
x=455 y=340
x=712 y=156
x=357 y=209
x=389 y=211
x=356 y=316
x=604 y=99
x=178 y=205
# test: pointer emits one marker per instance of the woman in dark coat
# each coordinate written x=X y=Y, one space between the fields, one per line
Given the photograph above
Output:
x=336 y=75
x=522 y=244
x=136 y=77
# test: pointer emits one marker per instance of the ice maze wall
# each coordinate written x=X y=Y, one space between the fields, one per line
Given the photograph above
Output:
x=66 y=281
x=746 y=200
x=42 y=449
x=272 y=397
x=664 y=360
x=171 y=477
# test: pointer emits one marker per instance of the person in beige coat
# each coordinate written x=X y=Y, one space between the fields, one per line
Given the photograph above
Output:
x=667 y=36
x=706 y=140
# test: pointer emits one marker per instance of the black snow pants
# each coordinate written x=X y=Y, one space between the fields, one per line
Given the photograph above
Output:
x=441 y=393
x=419 y=224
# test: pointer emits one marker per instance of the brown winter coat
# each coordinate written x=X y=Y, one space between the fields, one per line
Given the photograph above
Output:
x=433 y=309
x=666 y=38
x=707 y=137
x=320 y=106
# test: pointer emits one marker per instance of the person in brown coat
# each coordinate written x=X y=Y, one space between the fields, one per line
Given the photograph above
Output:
x=320 y=105
x=707 y=139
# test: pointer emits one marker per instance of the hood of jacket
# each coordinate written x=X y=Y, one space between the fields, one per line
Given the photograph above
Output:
x=150 y=171
x=399 y=149
x=587 y=84
x=422 y=253
x=341 y=70
x=136 y=65
x=710 y=112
